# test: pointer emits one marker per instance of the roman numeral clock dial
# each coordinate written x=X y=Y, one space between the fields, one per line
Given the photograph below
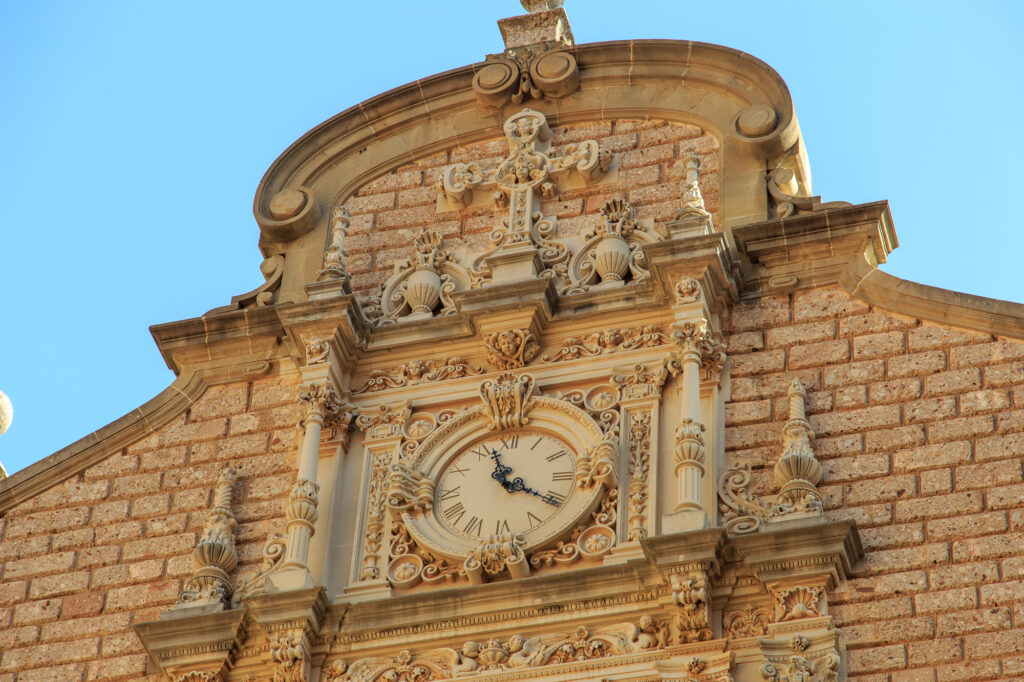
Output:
x=509 y=483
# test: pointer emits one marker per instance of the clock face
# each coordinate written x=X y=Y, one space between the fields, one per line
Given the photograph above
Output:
x=510 y=483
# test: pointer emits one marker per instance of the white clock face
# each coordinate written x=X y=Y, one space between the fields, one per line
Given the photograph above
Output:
x=510 y=483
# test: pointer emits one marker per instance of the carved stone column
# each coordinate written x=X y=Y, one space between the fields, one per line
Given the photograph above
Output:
x=382 y=440
x=694 y=341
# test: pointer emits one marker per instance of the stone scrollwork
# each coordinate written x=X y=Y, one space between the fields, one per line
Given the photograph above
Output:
x=408 y=489
x=782 y=190
x=511 y=348
x=496 y=556
x=418 y=372
x=693 y=616
x=273 y=556
x=750 y=622
x=545 y=70
x=214 y=556
x=600 y=402
x=590 y=542
x=411 y=564
x=640 y=381
x=421 y=287
x=375 y=515
x=797 y=668
x=608 y=341
x=598 y=463
x=612 y=253
x=517 y=652
x=797 y=472
x=386 y=422
x=507 y=399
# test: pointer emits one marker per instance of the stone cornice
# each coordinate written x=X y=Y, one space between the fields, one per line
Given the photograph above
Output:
x=106 y=441
x=988 y=315
x=814 y=249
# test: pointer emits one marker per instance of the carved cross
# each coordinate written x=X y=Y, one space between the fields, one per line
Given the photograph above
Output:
x=527 y=170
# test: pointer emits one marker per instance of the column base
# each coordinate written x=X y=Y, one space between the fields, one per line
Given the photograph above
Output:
x=288 y=579
x=367 y=590
x=684 y=520
x=620 y=554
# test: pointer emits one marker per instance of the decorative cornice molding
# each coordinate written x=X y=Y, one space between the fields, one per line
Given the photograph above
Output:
x=141 y=422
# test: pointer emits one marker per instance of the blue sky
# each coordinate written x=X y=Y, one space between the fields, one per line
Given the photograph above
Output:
x=133 y=135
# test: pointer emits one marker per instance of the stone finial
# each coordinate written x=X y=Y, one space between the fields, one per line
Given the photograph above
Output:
x=214 y=557
x=336 y=258
x=692 y=217
x=797 y=471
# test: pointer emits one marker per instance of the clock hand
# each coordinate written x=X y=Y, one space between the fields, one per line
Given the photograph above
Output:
x=515 y=485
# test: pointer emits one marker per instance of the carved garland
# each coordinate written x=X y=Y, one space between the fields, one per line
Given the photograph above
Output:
x=609 y=341
x=418 y=372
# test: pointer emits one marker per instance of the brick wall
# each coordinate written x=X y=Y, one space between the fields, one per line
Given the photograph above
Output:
x=920 y=431
x=389 y=211
x=84 y=561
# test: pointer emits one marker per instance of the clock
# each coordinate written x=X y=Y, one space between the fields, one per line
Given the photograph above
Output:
x=509 y=483
x=502 y=482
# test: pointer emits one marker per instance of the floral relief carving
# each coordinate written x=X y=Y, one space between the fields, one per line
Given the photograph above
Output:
x=289 y=654
x=320 y=400
x=517 y=652
x=197 y=676
x=640 y=380
x=608 y=341
x=498 y=556
x=386 y=422
x=639 y=470
x=411 y=564
x=694 y=607
x=797 y=668
x=599 y=402
x=511 y=348
x=418 y=372
x=612 y=255
x=750 y=622
x=375 y=515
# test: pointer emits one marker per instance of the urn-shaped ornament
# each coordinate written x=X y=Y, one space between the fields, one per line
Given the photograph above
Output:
x=423 y=290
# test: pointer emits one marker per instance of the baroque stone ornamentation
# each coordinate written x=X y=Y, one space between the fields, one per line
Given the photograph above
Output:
x=639 y=470
x=782 y=191
x=750 y=622
x=375 y=516
x=608 y=341
x=386 y=422
x=797 y=668
x=517 y=652
x=291 y=659
x=612 y=254
x=214 y=556
x=692 y=217
x=421 y=287
x=497 y=556
x=688 y=291
x=319 y=399
x=599 y=402
x=507 y=399
x=335 y=258
x=797 y=472
x=272 y=269
x=317 y=350
x=640 y=381
x=591 y=541
x=273 y=556
x=196 y=676
x=525 y=237
x=545 y=70
x=694 y=607
x=302 y=502
x=411 y=564
x=798 y=602
x=418 y=372
x=511 y=348
x=409 y=489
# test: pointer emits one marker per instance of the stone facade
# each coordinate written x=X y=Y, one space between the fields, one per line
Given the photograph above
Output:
x=781 y=464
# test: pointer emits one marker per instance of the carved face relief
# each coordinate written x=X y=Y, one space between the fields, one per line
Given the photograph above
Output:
x=509 y=484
